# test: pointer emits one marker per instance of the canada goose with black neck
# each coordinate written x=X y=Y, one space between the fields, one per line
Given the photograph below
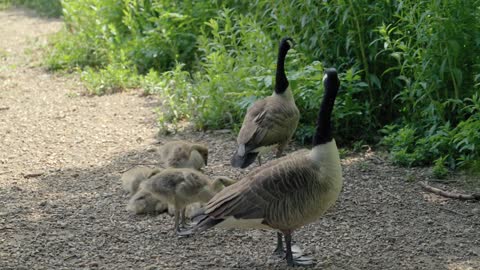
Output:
x=287 y=193
x=269 y=122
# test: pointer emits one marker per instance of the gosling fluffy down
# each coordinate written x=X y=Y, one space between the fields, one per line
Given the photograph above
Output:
x=183 y=154
x=181 y=187
x=132 y=178
x=141 y=202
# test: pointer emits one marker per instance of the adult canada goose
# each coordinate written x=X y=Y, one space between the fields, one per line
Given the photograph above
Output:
x=141 y=202
x=286 y=193
x=181 y=187
x=269 y=122
x=183 y=154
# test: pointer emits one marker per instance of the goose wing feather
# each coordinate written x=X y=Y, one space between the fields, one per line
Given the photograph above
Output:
x=268 y=121
x=279 y=194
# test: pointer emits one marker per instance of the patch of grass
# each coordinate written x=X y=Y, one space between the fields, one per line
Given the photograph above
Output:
x=439 y=170
x=108 y=80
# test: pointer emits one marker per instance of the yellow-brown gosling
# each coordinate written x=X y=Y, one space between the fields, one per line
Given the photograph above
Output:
x=132 y=178
x=183 y=154
x=181 y=187
x=141 y=202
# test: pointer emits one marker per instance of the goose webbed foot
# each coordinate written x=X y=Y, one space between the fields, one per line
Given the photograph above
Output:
x=301 y=261
x=281 y=253
x=186 y=226
x=295 y=258
x=184 y=233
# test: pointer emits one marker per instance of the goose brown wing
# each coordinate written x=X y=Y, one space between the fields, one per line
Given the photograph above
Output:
x=263 y=194
x=268 y=122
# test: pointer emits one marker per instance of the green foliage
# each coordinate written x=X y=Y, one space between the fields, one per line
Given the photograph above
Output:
x=175 y=87
x=439 y=169
x=408 y=68
x=144 y=34
x=111 y=79
x=49 y=8
x=457 y=146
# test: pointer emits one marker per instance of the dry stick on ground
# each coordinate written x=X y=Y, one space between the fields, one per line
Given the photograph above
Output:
x=133 y=164
x=140 y=163
x=447 y=194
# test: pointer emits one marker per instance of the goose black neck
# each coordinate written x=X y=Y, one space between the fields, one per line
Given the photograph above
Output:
x=281 y=82
x=323 y=132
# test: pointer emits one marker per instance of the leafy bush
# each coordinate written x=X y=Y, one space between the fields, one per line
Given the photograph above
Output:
x=409 y=68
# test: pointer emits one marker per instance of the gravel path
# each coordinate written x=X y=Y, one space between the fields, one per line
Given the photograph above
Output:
x=62 y=206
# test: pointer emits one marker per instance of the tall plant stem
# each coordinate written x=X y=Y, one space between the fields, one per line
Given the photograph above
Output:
x=362 y=51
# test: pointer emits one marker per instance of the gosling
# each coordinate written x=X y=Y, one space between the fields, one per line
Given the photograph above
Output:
x=181 y=187
x=183 y=154
x=132 y=178
x=141 y=202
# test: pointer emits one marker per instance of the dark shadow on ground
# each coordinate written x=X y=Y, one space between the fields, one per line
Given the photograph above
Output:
x=76 y=218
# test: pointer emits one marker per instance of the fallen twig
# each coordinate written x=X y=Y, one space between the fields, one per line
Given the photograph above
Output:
x=443 y=193
x=33 y=174
x=132 y=165
x=455 y=212
x=140 y=163
x=111 y=218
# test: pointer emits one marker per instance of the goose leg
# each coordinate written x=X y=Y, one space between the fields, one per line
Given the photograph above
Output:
x=259 y=160
x=279 y=251
x=177 y=217
x=182 y=218
x=299 y=260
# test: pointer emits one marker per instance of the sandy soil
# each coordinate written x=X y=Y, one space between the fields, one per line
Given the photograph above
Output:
x=62 y=206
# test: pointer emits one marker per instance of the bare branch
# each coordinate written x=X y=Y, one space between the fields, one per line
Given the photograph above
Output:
x=459 y=196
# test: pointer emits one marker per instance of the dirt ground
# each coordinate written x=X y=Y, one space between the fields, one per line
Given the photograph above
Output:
x=62 y=206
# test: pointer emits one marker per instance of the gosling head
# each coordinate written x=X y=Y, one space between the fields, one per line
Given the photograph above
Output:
x=142 y=202
x=203 y=151
x=220 y=182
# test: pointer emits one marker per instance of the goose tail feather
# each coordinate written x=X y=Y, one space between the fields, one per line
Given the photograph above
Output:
x=201 y=223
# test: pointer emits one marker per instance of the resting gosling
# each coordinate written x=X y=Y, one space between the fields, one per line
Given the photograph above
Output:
x=132 y=178
x=287 y=193
x=140 y=202
x=181 y=187
x=144 y=203
x=193 y=209
x=269 y=122
x=183 y=154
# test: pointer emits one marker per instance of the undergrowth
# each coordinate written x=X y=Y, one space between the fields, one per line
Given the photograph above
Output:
x=410 y=70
